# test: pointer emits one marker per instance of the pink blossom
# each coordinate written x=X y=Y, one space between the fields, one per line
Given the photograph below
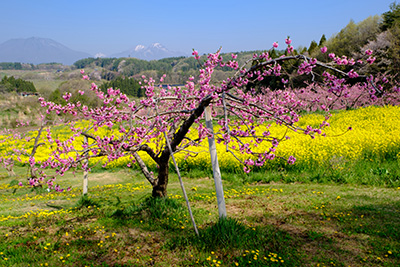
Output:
x=195 y=54
x=371 y=60
x=368 y=52
x=246 y=170
x=291 y=160
x=324 y=49
x=352 y=74
x=288 y=41
x=82 y=71
x=275 y=45
x=67 y=96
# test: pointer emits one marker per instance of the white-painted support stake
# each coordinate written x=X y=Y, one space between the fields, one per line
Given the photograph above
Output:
x=214 y=161
x=85 y=173
x=181 y=182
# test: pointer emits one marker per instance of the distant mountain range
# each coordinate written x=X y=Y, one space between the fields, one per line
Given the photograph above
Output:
x=153 y=52
x=42 y=50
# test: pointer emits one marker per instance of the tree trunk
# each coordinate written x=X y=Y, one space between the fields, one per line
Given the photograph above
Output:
x=9 y=165
x=160 y=187
x=10 y=171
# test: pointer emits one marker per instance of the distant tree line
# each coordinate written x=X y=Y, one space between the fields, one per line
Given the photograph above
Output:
x=133 y=66
x=10 y=84
x=29 y=66
x=10 y=66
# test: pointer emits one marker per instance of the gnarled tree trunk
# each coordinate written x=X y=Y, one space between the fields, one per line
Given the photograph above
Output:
x=160 y=187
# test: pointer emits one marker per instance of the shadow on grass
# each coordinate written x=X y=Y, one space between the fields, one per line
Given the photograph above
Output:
x=364 y=234
x=381 y=223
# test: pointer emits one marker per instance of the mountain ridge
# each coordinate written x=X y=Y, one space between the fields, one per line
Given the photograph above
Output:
x=37 y=50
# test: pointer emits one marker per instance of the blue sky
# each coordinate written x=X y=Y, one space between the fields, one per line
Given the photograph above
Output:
x=114 y=26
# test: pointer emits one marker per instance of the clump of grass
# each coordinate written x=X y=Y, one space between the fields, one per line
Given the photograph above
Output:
x=157 y=208
x=86 y=201
x=227 y=232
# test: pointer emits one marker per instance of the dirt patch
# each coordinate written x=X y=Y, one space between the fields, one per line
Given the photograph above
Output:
x=106 y=177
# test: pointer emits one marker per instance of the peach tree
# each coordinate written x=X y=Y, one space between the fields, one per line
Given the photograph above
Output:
x=244 y=114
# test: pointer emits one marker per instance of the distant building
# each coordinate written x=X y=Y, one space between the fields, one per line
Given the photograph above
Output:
x=25 y=94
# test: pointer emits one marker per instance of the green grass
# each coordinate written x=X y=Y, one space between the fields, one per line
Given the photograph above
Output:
x=268 y=224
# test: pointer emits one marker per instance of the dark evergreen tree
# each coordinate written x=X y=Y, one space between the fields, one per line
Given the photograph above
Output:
x=392 y=17
x=313 y=47
x=128 y=86
x=10 y=84
x=322 y=40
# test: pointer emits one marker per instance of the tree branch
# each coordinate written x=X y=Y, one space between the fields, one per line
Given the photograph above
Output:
x=149 y=176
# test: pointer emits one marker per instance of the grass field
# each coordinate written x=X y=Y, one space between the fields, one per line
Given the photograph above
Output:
x=276 y=224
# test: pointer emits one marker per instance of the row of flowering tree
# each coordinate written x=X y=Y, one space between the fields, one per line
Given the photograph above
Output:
x=243 y=114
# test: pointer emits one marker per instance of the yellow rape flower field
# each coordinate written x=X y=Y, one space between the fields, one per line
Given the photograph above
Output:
x=338 y=205
x=375 y=135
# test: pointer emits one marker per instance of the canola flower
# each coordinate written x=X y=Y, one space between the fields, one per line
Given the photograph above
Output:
x=374 y=135
x=36 y=214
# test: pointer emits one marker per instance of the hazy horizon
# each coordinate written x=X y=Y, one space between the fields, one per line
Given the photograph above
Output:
x=100 y=27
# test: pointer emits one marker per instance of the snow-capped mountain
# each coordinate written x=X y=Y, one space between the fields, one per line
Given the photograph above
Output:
x=152 y=52
x=139 y=48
